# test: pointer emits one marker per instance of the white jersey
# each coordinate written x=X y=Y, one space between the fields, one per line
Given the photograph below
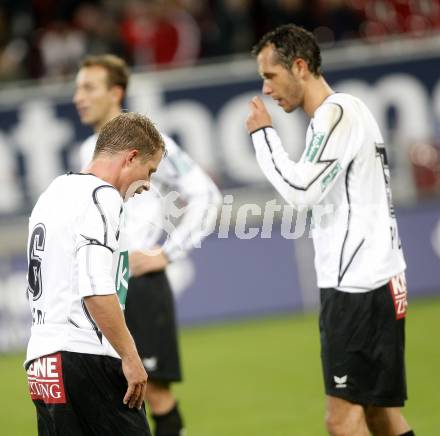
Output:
x=343 y=176
x=153 y=217
x=74 y=251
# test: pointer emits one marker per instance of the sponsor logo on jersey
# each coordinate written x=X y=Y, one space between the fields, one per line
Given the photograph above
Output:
x=399 y=293
x=340 y=382
x=45 y=379
x=122 y=277
x=314 y=146
x=330 y=177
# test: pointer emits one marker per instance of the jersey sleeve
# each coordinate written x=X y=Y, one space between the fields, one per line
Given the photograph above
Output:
x=97 y=240
x=200 y=196
x=334 y=142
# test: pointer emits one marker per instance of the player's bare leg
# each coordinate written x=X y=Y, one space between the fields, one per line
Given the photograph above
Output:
x=386 y=421
x=344 y=418
x=159 y=397
x=164 y=409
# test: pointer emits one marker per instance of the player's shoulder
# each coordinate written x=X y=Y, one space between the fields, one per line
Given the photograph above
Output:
x=88 y=187
x=339 y=101
x=53 y=192
x=59 y=185
x=69 y=196
x=339 y=106
x=330 y=112
x=105 y=191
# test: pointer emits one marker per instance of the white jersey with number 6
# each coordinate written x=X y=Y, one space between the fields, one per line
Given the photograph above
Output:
x=73 y=252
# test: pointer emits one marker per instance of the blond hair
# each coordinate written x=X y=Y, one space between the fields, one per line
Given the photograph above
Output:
x=128 y=131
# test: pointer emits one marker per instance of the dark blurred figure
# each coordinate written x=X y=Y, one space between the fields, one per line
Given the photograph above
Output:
x=299 y=12
x=41 y=38
x=45 y=12
x=229 y=27
x=337 y=20
x=16 y=41
x=99 y=28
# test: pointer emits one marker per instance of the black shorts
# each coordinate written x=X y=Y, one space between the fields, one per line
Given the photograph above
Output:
x=151 y=319
x=78 y=394
x=362 y=347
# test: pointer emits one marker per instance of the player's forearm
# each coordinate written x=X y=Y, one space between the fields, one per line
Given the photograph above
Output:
x=106 y=312
x=142 y=262
x=197 y=223
x=264 y=150
x=299 y=183
x=203 y=200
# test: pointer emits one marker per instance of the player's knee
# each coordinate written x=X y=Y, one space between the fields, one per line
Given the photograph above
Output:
x=159 y=397
x=338 y=424
x=333 y=424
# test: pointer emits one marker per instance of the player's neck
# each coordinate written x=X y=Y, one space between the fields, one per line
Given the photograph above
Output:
x=315 y=93
x=107 y=169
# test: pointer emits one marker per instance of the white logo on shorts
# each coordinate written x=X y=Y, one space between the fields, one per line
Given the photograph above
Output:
x=341 y=382
x=150 y=363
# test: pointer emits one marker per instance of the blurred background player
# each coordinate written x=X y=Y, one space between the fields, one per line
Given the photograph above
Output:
x=100 y=89
x=343 y=176
x=76 y=378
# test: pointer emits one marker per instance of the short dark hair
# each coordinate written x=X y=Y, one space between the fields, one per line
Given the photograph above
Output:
x=292 y=42
x=128 y=131
x=117 y=69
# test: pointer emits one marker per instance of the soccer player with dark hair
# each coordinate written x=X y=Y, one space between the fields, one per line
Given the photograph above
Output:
x=150 y=314
x=343 y=177
x=84 y=373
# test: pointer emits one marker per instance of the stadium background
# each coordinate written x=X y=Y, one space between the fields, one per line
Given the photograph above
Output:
x=249 y=341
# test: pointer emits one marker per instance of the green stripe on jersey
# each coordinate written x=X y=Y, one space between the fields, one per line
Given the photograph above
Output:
x=314 y=146
x=181 y=163
x=122 y=278
x=330 y=176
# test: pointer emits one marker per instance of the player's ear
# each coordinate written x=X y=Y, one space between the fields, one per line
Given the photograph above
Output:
x=299 y=68
x=131 y=155
x=117 y=94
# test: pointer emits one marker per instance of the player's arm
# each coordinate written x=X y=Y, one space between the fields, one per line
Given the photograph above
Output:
x=201 y=198
x=330 y=151
x=97 y=240
x=143 y=262
x=106 y=312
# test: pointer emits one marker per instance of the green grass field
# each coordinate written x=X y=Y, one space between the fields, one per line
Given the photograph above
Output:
x=260 y=377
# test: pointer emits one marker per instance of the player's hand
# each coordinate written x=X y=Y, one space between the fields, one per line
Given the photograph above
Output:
x=142 y=262
x=136 y=377
x=258 y=116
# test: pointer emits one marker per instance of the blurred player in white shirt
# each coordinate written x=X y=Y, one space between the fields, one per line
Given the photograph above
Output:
x=343 y=177
x=100 y=88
